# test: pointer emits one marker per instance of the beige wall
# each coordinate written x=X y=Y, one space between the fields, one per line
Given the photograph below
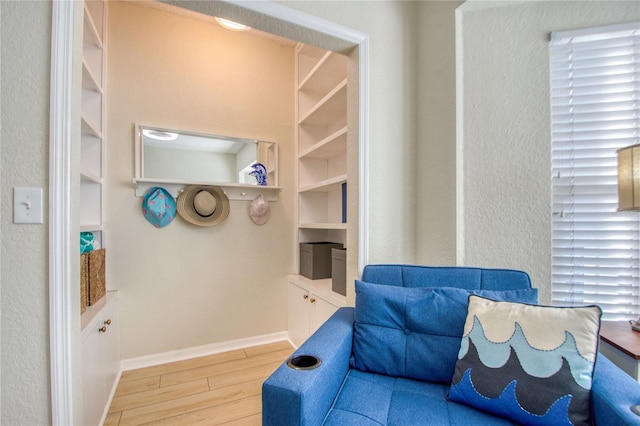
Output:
x=504 y=130
x=183 y=286
x=25 y=33
x=436 y=148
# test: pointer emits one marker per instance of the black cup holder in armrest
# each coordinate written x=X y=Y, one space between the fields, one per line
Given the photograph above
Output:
x=304 y=362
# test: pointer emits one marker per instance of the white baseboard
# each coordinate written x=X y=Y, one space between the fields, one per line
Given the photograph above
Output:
x=110 y=399
x=198 y=351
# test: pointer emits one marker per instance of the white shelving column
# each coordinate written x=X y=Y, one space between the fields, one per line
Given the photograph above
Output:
x=92 y=156
x=322 y=144
x=100 y=322
x=321 y=136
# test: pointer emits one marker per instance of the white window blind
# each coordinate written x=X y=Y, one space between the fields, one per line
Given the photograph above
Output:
x=595 y=110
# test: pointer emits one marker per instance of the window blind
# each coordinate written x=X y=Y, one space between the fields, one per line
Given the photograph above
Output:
x=595 y=110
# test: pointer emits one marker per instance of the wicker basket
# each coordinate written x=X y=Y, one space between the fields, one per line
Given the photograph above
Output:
x=97 y=282
x=84 y=282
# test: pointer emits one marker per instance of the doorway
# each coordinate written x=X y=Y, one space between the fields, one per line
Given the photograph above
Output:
x=265 y=16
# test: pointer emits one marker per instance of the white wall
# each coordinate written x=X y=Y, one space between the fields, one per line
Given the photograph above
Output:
x=25 y=32
x=436 y=148
x=183 y=286
x=504 y=131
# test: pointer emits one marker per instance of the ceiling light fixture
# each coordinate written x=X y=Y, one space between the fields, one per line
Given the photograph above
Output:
x=230 y=25
x=160 y=135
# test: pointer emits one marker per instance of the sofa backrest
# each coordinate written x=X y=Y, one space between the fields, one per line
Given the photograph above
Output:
x=468 y=278
x=413 y=326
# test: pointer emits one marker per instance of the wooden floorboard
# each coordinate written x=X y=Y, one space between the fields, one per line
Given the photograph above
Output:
x=221 y=389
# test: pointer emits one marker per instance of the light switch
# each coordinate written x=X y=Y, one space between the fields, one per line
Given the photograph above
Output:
x=27 y=205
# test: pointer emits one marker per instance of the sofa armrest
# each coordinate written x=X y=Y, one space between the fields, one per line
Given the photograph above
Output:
x=304 y=397
x=613 y=393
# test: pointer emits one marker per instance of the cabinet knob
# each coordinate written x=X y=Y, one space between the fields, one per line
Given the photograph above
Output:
x=313 y=300
x=102 y=329
x=108 y=322
x=305 y=297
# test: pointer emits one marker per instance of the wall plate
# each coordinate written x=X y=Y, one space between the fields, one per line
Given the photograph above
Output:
x=27 y=205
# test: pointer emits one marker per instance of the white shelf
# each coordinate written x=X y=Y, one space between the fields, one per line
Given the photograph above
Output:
x=308 y=58
x=90 y=227
x=90 y=177
x=332 y=184
x=329 y=109
x=89 y=128
x=91 y=34
x=337 y=226
x=89 y=80
x=233 y=191
x=329 y=147
x=327 y=74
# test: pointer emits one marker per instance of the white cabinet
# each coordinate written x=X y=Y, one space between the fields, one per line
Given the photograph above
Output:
x=100 y=357
x=92 y=119
x=311 y=303
x=321 y=135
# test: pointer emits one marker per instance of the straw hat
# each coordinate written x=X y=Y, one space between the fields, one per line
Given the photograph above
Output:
x=158 y=207
x=203 y=205
x=259 y=210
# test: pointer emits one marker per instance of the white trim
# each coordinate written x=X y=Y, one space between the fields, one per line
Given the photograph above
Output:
x=595 y=33
x=199 y=351
x=363 y=142
x=460 y=248
x=301 y=19
x=60 y=304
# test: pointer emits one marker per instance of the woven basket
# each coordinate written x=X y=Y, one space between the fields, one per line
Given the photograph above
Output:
x=97 y=282
x=84 y=282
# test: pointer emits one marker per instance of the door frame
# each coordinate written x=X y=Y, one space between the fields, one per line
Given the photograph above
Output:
x=61 y=302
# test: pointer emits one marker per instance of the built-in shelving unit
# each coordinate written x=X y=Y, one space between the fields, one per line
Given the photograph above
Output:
x=92 y=158
x=322 y=176
x=100 y=346
x=321 y=143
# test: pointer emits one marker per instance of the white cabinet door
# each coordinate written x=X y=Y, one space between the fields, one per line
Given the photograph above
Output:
x=100 y=358
x=92 y=378
x=111 y=348
x=307 y=311
x=321 y=310
x=298 y=314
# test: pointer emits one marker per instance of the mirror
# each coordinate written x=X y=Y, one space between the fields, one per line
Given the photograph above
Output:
x=190 y=157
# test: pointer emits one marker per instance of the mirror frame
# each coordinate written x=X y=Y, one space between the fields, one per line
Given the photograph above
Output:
x=272 y=162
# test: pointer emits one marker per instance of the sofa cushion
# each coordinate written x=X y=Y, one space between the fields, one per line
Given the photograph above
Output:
x=369 y=399
x=531 y=364
x=414 y=332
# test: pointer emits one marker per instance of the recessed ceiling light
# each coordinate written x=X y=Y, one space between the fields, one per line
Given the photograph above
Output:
x=159 y=135
x=230 y=25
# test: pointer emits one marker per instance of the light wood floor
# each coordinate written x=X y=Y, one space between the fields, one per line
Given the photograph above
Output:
x=221 y=389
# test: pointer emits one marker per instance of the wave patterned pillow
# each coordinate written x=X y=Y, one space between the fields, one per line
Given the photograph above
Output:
x=531 y=364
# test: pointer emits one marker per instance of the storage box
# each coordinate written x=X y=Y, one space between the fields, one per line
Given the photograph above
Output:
x=339 y=271
x=97 y=281
x=315 y=259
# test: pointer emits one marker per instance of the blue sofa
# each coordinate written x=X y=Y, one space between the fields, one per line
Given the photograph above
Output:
x=383 y=390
